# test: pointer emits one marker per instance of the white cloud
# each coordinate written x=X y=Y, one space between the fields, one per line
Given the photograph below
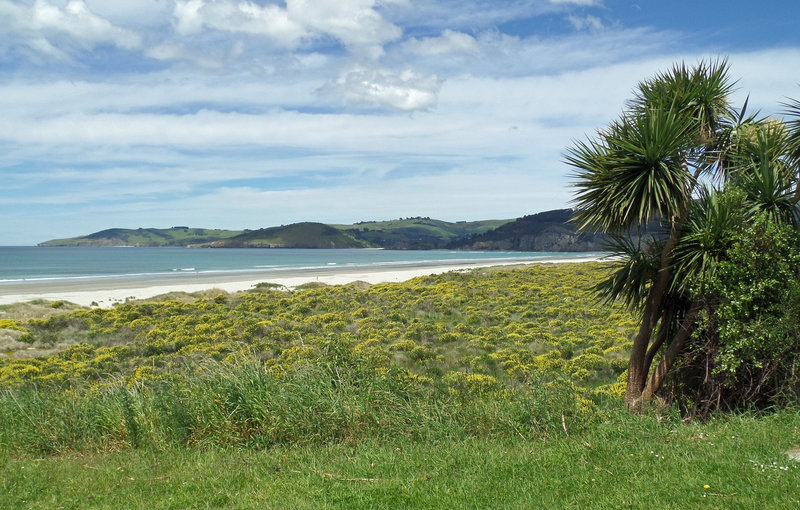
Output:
x=218 y=57
x=167 y=51
x=468 y=15
x=449 y=42
x=24 y=101
x=56 y=32
x=769 y=77
x=138 y=13
x=356 y=24
x=501 y=55
x=187 y=16
x=405 y=91
x=77 y=20
x=246 y=17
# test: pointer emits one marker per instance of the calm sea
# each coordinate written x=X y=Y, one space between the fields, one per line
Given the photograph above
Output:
x=30 y=263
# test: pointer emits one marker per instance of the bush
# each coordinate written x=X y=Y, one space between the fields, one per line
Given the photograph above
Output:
x=747 y=351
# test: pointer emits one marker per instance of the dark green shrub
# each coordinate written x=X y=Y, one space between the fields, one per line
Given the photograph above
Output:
x=747 y=351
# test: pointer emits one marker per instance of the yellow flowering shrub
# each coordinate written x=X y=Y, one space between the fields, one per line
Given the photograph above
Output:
x=472 y=383
x=11 y=324
x=506 y=326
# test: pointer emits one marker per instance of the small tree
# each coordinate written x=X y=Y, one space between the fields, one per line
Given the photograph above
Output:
x=673 y=160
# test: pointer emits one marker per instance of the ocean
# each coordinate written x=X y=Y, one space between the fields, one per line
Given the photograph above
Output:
x=20 y=264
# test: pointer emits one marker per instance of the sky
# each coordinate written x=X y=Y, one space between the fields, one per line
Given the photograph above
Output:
x=253 y=113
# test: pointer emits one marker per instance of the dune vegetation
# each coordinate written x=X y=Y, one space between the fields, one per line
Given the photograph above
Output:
x=497 y=341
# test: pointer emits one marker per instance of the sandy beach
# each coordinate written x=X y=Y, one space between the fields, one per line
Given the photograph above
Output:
x=106 y=292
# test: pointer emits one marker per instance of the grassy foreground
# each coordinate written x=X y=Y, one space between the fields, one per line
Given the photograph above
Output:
x=486 y=389
x=627 y=462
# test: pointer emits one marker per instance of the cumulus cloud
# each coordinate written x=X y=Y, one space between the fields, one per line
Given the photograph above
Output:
x=405 y=91
x=43 y=26
x=356 y=24
x=272 y=21
x=77 y=20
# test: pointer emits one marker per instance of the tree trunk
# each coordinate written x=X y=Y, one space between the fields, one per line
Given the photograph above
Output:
x=674 y=349
x=663 y=331
x=638 y=367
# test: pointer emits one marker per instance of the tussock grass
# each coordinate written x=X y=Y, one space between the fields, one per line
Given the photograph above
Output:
x=36 y=309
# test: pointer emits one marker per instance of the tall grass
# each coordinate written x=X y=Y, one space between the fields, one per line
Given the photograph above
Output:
x=245 y=404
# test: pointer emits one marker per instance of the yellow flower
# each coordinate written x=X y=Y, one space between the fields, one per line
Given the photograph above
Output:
x=706 y=487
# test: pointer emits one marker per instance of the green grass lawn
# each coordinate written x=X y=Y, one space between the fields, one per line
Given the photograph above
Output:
x=624 y=462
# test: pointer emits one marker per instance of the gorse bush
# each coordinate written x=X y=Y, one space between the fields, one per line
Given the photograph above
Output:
x=491 y=353
x=507 y=324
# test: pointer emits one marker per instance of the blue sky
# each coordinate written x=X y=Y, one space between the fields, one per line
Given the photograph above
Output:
x=247 y=114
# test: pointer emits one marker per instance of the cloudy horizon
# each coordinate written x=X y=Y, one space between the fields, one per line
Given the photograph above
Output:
x=247 y=114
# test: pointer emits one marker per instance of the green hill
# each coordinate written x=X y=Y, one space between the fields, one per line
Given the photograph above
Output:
x=297 y=235
x=547 y=231
x=410 y=233
x=175 y=236
x=417 y=233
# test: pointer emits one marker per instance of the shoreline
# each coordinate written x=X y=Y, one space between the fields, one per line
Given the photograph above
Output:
x=108 y=292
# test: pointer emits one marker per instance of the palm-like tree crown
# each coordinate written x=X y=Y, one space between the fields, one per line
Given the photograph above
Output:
x=644 y=166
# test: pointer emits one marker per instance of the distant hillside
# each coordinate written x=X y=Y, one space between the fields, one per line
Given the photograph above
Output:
x=175 y=236
x=401 y=234
x=297 y=235
x=417 y=233
x=547 y=231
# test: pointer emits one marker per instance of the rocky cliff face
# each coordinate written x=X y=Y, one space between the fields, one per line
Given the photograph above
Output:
x=547 y=241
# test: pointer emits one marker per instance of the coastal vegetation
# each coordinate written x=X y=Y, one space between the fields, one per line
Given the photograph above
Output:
x=410 y=233
x=498 y=341
x=716 y=290
x=500 y=387
x=418 y=233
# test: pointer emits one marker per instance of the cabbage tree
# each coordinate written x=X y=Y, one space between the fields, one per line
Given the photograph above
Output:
x=658 y=181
